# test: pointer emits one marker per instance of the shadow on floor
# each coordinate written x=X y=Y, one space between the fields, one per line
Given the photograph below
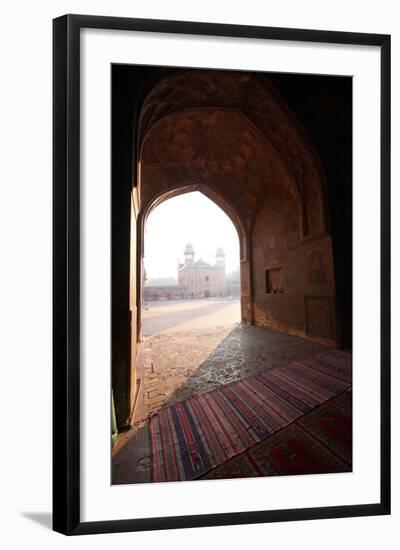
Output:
x=246 y=351
x=45 y=519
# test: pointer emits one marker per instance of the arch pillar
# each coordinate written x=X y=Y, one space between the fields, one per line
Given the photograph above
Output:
x=246 y=298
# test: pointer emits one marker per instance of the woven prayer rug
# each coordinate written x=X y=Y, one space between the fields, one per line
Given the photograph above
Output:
x=320 y=442
x=190 y=438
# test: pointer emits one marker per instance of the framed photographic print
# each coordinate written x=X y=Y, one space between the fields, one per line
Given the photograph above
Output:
x=221 y=274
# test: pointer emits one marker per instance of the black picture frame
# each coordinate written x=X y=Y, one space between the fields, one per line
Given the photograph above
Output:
x=66 y=273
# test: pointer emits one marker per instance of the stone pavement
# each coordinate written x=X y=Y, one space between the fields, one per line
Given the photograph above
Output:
x=181 y=336
x=170 y=360
x=179 y=365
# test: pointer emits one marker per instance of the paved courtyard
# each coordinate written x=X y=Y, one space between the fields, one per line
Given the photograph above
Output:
x=188 y=315
x=190 y=348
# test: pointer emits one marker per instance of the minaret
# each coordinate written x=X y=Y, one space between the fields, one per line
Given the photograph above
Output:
x=189 y=254
x=220 y=255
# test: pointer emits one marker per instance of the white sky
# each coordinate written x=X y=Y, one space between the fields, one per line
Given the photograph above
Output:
x=193 y=218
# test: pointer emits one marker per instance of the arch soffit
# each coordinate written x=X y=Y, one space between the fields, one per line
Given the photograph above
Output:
x=246 y=154
x=254 y=97
x=232 y=112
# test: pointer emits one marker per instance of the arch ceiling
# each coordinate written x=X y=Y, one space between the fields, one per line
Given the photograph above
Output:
x=230 y=130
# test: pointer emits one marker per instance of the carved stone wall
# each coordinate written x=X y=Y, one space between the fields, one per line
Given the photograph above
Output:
x=293 y=279
x=304 y=265
x=320 y=317
x=318 y=266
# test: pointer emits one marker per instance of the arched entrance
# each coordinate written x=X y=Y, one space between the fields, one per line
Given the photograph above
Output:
x=231 y=137
x=227 y=209
x=207 y=130
x=190 y=252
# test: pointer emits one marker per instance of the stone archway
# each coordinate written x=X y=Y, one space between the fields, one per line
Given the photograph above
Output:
x=225 y=206
x=229 y=133
x=224 y=94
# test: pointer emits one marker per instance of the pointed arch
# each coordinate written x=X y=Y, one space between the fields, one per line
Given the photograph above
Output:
x=231 y=213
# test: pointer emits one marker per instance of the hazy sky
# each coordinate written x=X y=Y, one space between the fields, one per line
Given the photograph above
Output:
x=193 y=218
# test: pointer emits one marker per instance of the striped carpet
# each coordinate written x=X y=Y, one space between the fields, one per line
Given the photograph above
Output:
x=190 y=438
x=320 y=442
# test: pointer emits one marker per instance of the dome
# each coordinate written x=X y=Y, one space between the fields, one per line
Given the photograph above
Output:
x=220 y=252
x=203 y=263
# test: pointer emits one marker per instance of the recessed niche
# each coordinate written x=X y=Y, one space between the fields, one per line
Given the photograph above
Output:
x=274 y=281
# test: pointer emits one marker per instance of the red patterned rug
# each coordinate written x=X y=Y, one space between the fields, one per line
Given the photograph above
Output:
x=192 y=437
x=320 y=442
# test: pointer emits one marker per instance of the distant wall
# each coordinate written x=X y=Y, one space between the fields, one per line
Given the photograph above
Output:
x=153 y=293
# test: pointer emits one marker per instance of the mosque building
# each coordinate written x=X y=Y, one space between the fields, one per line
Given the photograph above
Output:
x=196 y=279
x=199 y=279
